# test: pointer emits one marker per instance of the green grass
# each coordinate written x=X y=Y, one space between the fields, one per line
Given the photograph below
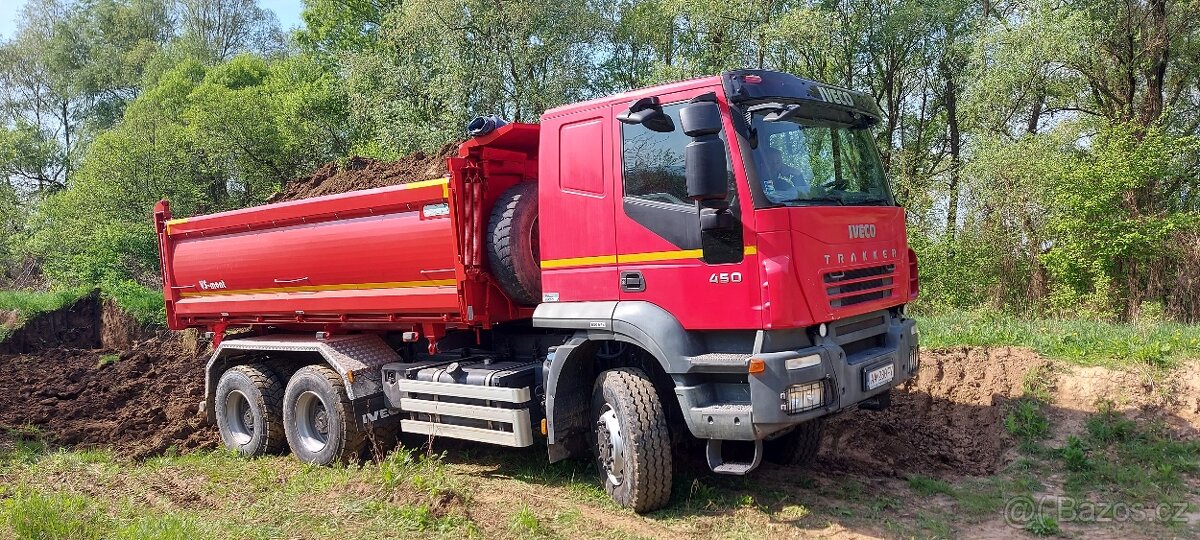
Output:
x=1026 y=421
x=1117 y=457
x=144 y=304
x=927 y=486
x=1079 y=341
x=93 y=494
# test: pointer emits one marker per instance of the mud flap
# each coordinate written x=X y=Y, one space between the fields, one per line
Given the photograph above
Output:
x=372 y=412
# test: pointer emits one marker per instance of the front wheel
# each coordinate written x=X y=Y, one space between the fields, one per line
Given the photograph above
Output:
x=796 y=447
x=631 y=440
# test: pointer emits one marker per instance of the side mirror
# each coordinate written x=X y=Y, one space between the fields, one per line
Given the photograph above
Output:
x=704 y=157
x=647 y=112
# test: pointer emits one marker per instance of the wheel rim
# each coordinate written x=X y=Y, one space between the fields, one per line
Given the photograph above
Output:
x=611 y=445
x=311 y=422
x=239 y=417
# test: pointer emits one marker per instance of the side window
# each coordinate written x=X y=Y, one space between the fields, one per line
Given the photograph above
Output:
x=652 y=162
x=655 y=182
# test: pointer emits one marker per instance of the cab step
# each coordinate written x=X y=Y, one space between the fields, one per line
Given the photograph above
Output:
x=717 y=463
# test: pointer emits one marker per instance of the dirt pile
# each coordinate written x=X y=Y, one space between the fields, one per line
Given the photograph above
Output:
x=139 y=402
x=90 y=375
x=74 y=326
x=365 y=173
x=950 y=420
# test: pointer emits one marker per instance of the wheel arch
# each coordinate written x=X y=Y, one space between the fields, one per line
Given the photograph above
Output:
x=647 y=327
x=357 y=359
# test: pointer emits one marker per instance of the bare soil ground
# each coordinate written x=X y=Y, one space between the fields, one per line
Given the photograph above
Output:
x=69 y=381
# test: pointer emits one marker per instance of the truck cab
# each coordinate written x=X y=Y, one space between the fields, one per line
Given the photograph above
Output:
x=771 y=298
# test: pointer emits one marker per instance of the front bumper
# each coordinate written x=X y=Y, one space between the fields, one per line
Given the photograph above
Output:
x=838 y=363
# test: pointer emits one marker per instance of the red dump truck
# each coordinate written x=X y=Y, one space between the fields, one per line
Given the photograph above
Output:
x=718 y=259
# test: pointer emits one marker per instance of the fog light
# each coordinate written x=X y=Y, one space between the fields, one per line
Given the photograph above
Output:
x=803 y=397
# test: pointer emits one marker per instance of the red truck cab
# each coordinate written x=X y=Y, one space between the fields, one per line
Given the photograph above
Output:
x=720 y=257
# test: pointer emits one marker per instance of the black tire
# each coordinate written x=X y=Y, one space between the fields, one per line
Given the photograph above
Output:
x=317 y=418
x=639 y=477
x=796 y=447
x=249 y=410
x=512 y=244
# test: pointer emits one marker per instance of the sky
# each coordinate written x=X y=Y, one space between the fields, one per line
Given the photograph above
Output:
x=288 y=12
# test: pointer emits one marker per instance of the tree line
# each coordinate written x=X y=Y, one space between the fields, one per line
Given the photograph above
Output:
x=1046 y=151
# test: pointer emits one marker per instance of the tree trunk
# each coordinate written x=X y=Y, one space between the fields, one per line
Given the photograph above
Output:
x=951 y=99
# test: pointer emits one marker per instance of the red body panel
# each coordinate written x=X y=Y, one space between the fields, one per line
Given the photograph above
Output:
x=412 y=256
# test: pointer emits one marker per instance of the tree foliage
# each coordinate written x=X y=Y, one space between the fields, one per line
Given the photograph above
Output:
x=1045 y=150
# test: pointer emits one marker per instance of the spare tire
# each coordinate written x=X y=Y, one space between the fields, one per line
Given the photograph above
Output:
x=512 y=244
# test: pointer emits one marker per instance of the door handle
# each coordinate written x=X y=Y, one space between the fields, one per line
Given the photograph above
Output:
x=632 y=281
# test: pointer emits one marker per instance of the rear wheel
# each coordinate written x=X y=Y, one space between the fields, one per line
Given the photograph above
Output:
x=317 y=418
x=248 y=410
x=631 y=440
x=797 y=447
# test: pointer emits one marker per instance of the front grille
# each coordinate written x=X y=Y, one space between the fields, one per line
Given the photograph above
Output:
x=850 y=287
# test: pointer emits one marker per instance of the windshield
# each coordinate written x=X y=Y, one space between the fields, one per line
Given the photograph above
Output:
x=802 y=162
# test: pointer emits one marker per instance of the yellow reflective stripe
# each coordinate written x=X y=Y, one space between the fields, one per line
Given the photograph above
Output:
x=170 y=222
x=651 y=256
x=655 y=256
x=338 y=287
x=580 y=261
x=426 y=183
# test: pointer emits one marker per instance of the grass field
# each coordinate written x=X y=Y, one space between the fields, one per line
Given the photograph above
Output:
x=1078 y=341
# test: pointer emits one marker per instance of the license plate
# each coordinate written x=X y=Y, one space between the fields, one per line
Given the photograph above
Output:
x=880 y=376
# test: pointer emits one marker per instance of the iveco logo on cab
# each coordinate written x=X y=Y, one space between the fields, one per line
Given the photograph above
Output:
x=862 y=231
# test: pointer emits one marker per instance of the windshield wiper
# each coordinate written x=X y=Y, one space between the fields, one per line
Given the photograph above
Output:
x=806 y=200
x=870 y=201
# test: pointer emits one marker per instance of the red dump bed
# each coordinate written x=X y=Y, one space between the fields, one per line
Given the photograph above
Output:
x=402 y=257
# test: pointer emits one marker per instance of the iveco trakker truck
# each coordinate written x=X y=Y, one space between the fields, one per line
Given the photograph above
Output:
x=719 y=258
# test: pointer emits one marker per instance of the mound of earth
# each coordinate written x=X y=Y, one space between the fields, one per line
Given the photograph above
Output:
x=74 y=326
x=949 y=420
x=365 y=173
x=68 y=383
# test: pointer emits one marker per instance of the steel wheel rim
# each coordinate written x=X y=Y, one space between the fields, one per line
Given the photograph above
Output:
x=611 y=445
x=311 y=422
x=239 y=418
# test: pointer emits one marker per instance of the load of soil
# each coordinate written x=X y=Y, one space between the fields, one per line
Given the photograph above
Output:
x=366 y=173
x=140 y=401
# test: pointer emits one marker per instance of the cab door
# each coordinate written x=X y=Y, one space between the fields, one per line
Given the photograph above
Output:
x=706 y=279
